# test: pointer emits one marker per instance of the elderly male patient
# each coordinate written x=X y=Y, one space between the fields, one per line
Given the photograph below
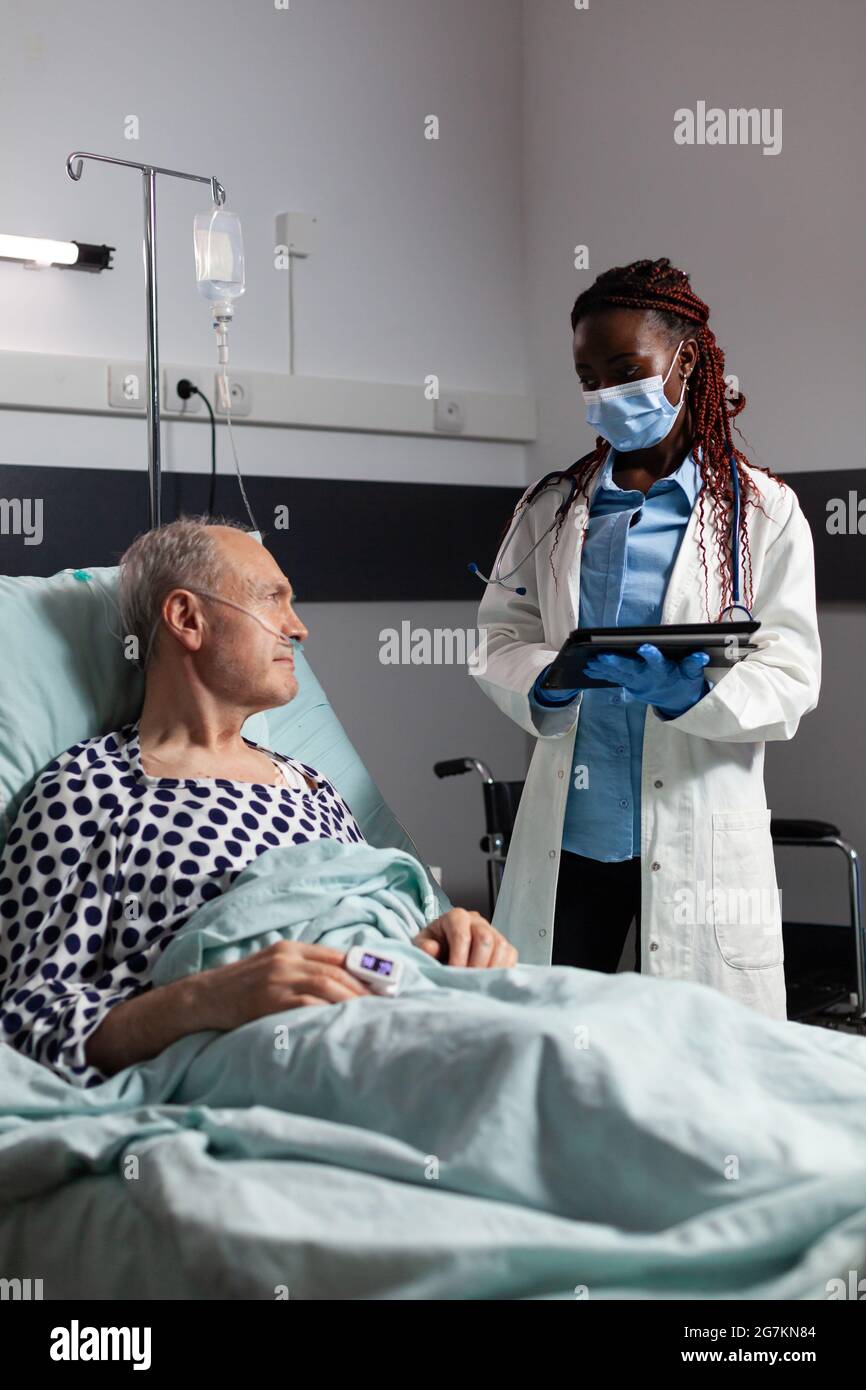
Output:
x=165 y=813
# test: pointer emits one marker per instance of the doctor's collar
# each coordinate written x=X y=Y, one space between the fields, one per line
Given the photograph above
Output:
x=687 y=474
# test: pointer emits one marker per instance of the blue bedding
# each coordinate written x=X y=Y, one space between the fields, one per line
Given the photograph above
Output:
x=527 y=1133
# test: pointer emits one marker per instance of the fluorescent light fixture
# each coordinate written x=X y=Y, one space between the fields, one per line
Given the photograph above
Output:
x=38 y=249
x=34 y=251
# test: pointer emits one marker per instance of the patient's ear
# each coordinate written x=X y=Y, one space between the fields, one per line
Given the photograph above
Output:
x=183 y=616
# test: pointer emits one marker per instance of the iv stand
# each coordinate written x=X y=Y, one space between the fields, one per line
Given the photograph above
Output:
x=149 y=172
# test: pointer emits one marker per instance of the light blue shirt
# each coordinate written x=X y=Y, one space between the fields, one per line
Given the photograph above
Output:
x=628 y=554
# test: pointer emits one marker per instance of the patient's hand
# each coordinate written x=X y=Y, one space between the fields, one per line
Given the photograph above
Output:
x=466 y=938
x=286 y=975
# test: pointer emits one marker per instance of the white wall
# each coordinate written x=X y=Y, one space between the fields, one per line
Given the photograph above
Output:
x=773 y=243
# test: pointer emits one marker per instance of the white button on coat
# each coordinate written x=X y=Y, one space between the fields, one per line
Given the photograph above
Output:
x=705 y=826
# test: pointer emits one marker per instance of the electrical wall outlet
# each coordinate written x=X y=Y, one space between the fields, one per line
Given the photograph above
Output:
x=241 y=391
x=171 y=401
x=127 y=386
x=449 y=415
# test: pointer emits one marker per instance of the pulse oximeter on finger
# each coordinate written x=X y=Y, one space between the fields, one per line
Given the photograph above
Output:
x=380 y=972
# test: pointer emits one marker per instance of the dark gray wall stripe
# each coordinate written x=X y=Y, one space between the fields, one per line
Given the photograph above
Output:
x=840 y=560
x=351 y=540
x=346 y=540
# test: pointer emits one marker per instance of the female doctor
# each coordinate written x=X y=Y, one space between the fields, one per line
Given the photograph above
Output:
x=645 y=797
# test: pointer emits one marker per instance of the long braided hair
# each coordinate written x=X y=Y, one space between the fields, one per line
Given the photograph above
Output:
x=666 y=293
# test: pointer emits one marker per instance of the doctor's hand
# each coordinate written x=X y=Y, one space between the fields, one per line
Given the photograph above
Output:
x=671 y=687
x=465 y=938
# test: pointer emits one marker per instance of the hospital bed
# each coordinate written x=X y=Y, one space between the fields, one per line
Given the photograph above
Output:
x=825 y=966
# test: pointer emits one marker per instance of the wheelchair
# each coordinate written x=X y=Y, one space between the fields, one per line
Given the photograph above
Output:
x=825 y=964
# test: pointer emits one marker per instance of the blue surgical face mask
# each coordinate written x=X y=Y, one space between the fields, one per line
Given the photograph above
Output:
x=637 y=414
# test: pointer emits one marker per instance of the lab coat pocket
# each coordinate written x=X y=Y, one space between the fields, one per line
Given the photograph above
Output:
x=745 y=904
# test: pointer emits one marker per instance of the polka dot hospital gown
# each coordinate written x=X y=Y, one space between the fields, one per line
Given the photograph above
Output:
x=103 y=864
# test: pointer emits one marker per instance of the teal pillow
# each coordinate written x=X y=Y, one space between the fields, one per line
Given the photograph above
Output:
x=64 y=678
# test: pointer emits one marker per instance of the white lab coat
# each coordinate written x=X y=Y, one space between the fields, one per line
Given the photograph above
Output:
x=705 y=826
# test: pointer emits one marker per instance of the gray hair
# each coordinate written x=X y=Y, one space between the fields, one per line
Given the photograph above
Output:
x=181 y=554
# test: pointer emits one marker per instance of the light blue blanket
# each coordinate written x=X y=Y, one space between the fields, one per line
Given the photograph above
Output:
x=524 y=1133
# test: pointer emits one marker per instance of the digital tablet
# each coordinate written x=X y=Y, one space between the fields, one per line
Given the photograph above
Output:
x=724 y=643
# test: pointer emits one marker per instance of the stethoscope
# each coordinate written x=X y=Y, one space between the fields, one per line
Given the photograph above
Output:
x=568 y=475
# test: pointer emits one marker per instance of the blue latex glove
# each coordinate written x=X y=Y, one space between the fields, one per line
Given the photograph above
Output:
x=551 y=698
x=671 y=687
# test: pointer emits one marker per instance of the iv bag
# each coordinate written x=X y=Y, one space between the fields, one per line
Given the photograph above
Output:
x=219 y=255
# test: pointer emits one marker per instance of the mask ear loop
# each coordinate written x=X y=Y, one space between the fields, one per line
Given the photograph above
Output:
x=671 y=367
x=685 y=378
